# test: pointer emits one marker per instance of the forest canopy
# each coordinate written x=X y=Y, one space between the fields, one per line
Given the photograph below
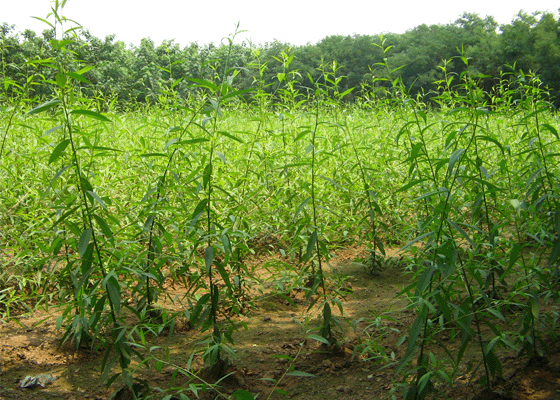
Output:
x=422 y=59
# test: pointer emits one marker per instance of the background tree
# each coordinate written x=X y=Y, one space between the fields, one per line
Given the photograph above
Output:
x=132 y=75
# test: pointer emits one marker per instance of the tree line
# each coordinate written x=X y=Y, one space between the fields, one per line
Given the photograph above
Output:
x=420 y=62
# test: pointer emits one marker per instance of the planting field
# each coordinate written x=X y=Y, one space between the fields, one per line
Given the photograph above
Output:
x=273 y=343
x=173 y=248
x=239 y=244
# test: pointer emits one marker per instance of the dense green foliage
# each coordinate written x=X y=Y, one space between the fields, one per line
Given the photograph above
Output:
x=100 y=209
x=138 y=75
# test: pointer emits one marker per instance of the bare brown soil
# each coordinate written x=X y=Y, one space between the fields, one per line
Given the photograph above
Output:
x=274 y=343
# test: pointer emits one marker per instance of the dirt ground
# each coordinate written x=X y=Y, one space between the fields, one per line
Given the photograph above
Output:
x=274 y=343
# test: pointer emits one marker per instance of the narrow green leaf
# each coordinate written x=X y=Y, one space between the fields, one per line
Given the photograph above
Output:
x=456 y=156
x=300 y=374
x=497 y=314
x=154 y=155
x=298 y=164
x=462 y=232
x=490 y=139
x=551 y=129
x=59 y=150
x=380 y=245
x=222 y=156
x=44 y=21
x=533 y=176
x=535 y=307
x=91 y=114
x=319 y=339
x=171 y=142
x=415 y=151
x=114 y=292
x=86 y=186
x=104 y=148
x=458 y=109
x=283 y=356
x=301 y=207
x=327 y=314
x=44 y=61
x=224 y=274
x=207 y=175
x=208 y=258
x=242 y=395
x=104 y=226
x=442 y=302
x=44 y=107
x=348 y=91
x=84 y=241
x=60 y=44
x=311 y=245
x=163 y=69
x=514 y=254
x=410 y=184
x=416 y=240
x=61 y=79
x=302 y=134
x=424 y=384
x=194 y=141
x=229 y=135
x=176 y=82
x=413 y=334
x=236 y=93
x=530 y=115
x=85 y=69
x=516 y=204
x=149 y=223
x=226 y=243
x=449 y=138
x=432 y=193
x=552 y=259
x=159 y=366
x=66 y=214
x=205 y=84
x=494 y=364
x=200 y=208
x=425 y=279
x=97 y=198
x=78 y=77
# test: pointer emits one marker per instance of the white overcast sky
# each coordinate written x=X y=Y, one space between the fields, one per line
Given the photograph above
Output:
x=293 y=21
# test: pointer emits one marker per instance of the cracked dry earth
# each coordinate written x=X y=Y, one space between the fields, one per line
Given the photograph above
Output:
x=276 y=335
